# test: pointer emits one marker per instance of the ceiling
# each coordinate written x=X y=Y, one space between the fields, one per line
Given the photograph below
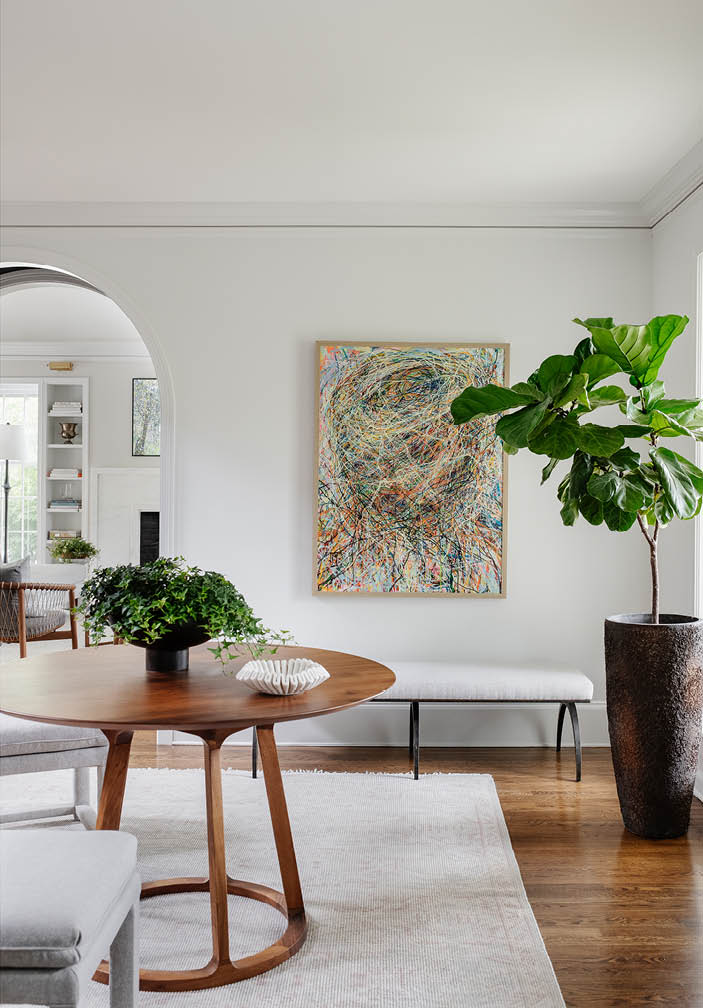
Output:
x=45 y=319
x=347 y=100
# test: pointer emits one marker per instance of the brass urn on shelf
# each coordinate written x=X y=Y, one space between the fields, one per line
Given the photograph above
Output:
x=68 y=432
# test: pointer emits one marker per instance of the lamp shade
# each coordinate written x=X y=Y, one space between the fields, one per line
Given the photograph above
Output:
x=13 y=444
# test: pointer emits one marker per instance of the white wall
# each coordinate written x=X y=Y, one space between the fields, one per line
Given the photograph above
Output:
x=676 y=244
x=236 y=313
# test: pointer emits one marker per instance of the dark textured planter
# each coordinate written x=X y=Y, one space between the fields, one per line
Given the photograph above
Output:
x=654 y=682
x=170 y=653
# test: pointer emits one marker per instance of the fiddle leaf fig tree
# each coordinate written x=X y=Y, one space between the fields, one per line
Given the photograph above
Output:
x=620 y=473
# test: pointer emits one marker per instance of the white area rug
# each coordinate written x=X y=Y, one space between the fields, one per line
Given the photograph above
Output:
x=412 y=891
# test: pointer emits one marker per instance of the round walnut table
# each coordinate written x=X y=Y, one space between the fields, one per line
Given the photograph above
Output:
x=108 y=688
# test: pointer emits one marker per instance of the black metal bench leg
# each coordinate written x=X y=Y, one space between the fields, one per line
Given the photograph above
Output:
x=411 y=736
x=254 y=752
x=560 y=725
x=577 y=737
x=415 y=715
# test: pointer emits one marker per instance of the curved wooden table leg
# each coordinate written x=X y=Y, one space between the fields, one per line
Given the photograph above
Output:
x=112 y=794
x=221 y=970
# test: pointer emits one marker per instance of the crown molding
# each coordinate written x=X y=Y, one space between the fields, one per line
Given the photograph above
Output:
x=77 y=351
x=323 y=215
x=677 y=185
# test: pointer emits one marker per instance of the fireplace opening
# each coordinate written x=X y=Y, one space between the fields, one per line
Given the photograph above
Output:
x=148 y=536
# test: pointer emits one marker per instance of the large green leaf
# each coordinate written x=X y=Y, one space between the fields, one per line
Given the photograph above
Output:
x=575 y=391
x=630 y=346
x=548 y=470
x=554 y=373
x=485 y=401
x=516 y=428
x=600 y=441
x=603 y=485
x=632 y=430
x=581 y=469
x=559 y=440
x=529 y=390
x=682 y=481
x=663 y=330
x=594 y=323
x=598 y=366
x=569 y=511
x=616 y=519
x=591 y=509
x=652 y=393
x=606 y=395
x=582 y=350
x=668 y=426
x=626 y=458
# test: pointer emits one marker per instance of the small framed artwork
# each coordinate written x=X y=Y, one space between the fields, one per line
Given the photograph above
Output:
x=407 y=503
x=146 y=417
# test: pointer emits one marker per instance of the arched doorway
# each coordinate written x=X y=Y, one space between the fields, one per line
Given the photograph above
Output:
x=46 y=286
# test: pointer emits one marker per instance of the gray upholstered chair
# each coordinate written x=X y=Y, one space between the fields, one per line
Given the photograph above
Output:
x=32 y=746
x=67 y=897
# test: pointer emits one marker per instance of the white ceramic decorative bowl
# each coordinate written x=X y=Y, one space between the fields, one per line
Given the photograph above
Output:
x=282 y=677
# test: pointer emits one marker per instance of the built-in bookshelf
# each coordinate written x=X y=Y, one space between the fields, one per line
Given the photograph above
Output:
x=64 y=464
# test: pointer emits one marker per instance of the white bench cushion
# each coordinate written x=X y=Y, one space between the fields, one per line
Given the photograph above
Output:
x=19 y=737
x=58 y=888
x=432 y=680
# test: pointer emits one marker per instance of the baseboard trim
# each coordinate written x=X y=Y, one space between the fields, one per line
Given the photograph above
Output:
x=478 y=725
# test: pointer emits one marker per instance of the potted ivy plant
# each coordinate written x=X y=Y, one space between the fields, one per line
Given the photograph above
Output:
x=168 y=607
x=73 y=550
x=623 y=474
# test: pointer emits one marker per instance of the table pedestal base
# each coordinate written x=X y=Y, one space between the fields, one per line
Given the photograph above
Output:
x=216 y=973
x=221 y=969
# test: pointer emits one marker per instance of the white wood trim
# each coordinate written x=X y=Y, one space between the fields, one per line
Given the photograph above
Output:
x=460 y=215
x=46 y=257
x=80 y=350
x=698 y=530
x=678 y=183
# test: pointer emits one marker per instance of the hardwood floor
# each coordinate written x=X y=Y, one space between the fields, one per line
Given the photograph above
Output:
x=622 y=918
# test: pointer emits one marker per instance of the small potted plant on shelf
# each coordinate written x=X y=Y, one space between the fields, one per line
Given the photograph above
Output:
x=73 y=550
x=168 y=607
x=653 y=661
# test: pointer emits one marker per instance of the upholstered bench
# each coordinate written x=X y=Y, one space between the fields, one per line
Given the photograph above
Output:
x=448 y=682
x=67 y=897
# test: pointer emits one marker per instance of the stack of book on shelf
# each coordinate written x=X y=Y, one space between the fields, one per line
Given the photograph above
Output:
x=66 y=408
x=63 y=534
x=59 y=473
x=64 y=504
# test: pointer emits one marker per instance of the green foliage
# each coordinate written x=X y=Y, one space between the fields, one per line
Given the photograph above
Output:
x=67 y=550
x=143 y=604
x=607 y=481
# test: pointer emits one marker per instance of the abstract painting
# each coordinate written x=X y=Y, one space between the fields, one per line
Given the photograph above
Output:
x=407 y=503
x=146 y=417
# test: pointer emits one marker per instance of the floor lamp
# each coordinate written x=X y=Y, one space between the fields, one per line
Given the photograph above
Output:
x=12 y=448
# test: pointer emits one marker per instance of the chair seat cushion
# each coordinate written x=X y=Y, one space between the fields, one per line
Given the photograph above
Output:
x=459 y=681
x=58 y=887
x=19 y=737
x=35 y=626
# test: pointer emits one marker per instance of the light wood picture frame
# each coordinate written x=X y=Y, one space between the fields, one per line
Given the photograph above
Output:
x=406 y=503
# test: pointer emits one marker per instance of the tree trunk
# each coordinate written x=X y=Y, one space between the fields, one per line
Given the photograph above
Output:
x=654 y=564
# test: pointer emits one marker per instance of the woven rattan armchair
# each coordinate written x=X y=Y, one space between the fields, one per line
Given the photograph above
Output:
x=31 y=611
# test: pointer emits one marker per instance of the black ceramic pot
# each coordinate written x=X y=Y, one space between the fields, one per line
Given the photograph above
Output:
x=170 y=652
x=654 y=682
